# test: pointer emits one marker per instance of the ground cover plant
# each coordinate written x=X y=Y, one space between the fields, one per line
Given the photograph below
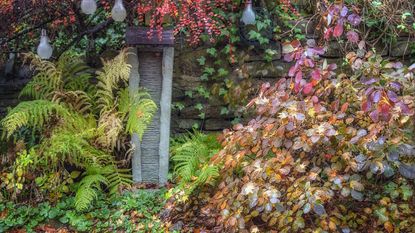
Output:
x=135 y=211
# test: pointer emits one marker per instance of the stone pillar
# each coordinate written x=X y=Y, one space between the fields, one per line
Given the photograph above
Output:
x=165 y=105
x=152 y=69
x=134 y=83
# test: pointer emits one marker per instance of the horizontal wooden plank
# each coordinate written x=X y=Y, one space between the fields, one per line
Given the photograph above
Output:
x=140 y=36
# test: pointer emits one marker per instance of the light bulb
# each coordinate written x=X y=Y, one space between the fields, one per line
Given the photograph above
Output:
x=88 y=6
x=248 y=16
x=44 y=50
x=118 y=11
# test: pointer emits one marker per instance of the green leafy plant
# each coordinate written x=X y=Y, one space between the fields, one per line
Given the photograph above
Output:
x=131 y=212
x=80 y=122
x=190 y=155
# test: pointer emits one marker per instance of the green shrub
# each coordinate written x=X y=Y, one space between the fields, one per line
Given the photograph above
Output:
x=338 y=157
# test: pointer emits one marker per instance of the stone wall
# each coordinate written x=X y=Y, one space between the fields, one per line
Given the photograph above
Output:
x=186 y=77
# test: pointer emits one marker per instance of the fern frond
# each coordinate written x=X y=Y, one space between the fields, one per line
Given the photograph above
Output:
x=110 y=126
x=139 y=110
x=88 y=190
x=78 y=101
x=76 y=73
x=190 y=156
x=74 y=148
x=71 y=64
x=119 y=178
x=109 y=78
x=207 y=173
x=187 y=158
x=94 y=178
x=47 y=79
x=31 y=114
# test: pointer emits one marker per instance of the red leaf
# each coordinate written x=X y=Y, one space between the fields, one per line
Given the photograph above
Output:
x=344 y=107
x=297 y=87
x=316 y=74
x=366 y=106
x=299 y=76
x=328 y=33
x=292 y=71
x=338 y=30
x=308 y=88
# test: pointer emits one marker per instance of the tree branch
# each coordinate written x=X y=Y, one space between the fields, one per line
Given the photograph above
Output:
x=91 y=31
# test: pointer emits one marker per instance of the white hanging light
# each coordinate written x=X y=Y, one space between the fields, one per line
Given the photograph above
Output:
x=248 y=16
x=88 y=6
x=118 y=11
x=44 y=50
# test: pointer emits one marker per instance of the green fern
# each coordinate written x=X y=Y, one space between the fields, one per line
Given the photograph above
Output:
x=190 y=155
x=88 y=190
x=93 y=180
x=74 y=148
x=139 y=110
x=117 y=179
x=80 y=122
x=31 y=114
x=69 y=72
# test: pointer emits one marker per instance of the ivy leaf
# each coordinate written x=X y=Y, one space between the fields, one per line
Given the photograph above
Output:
x=224 y=111
x=212 y=52
x=253 y=35
x=202 y=115
x=189 y=93
x=202 y=60
x=209 y=70
x=222 y=91
x=199 y=106
x=222 y=72
x=392 y=189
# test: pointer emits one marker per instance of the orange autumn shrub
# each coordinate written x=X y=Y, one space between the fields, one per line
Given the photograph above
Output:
x=337 y=159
